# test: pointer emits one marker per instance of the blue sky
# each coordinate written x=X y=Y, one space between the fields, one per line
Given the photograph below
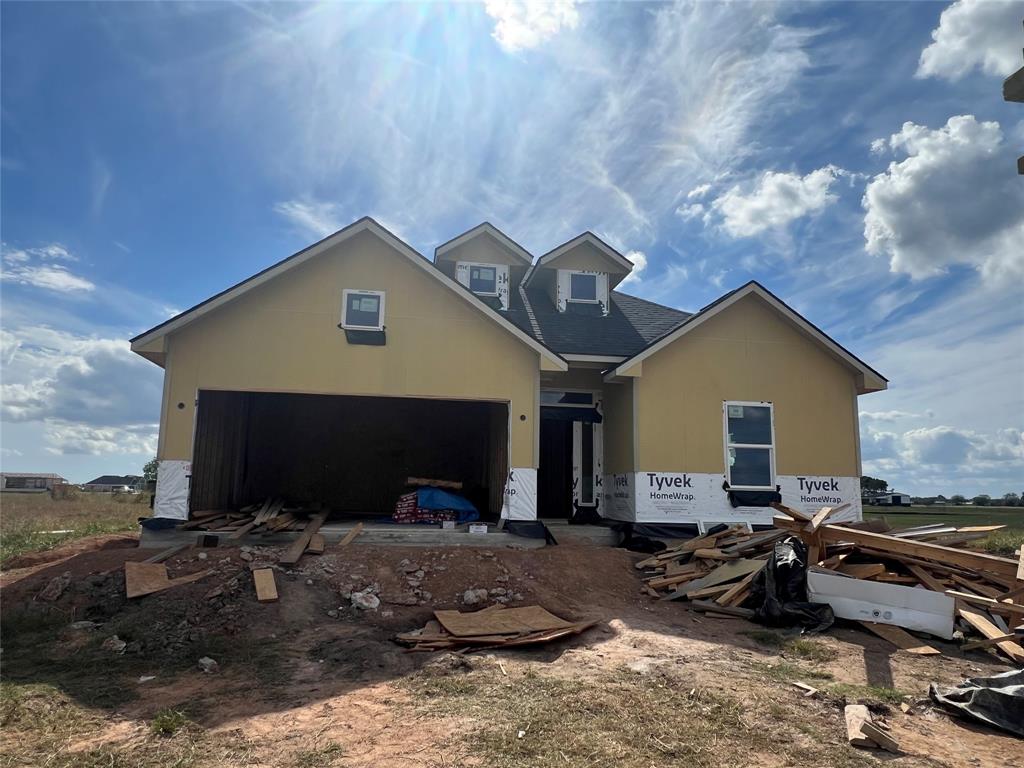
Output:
x=856 y=158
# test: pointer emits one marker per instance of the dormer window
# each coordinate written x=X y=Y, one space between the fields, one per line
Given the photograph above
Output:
x=583 y=287
x=362 y=310
x=483 y=280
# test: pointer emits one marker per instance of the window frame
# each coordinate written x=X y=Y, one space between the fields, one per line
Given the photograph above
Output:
x=769 y=447
x=597 y=292
x=469 y=265
x=361 y=292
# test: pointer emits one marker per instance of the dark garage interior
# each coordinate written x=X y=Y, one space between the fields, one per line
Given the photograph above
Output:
x=351 y=453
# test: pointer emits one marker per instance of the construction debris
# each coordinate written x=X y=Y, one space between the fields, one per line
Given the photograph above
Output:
x=146 y=578
x=890 y=581
x=266 y=587
x=491 y=627
x=861 y=730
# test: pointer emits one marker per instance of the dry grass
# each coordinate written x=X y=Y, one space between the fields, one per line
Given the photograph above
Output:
x=620 y=718
x=27 y=521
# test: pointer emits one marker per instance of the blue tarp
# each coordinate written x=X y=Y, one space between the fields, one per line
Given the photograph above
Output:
x=435 y=498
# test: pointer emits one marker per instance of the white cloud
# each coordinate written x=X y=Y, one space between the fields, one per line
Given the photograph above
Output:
x=775 y=200
x=522 y=24
x=887 y=416
x=983 y=34
x=691 y=211
x=67 y=438
x=639 y=259
x=30 y=266
x=698 y=192
x=313 y=218
x=954 y=199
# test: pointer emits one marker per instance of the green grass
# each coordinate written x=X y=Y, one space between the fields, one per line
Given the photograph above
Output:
x=786 y=672
x=1003 y=542
x=621 y=718
x=318 y=757
x=27 y=519
x=168 y=722
x=870 y=692
x=798 y=647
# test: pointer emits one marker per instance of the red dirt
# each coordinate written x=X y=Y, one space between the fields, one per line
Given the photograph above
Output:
x=341 y=672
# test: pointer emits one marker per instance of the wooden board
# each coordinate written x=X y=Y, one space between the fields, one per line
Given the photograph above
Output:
x=316 y=544
x=988 y=642
x=266 y=587
x=508 y=621
x=901 y=638
x=862 y=570
x=166 y=554
x=987 y=602
x=980 y=622
x=926 y=578
x=350 y=536
x=298 y=547
x=978 y=561
x=739 y=589
x=723 y=574
x=146 y=578
x=856 y=716
x=796 y=514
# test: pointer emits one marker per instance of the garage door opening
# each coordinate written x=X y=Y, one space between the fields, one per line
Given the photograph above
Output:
x=352 y=454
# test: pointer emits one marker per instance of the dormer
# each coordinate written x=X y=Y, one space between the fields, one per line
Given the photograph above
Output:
x=579 y=274
x=485 y=260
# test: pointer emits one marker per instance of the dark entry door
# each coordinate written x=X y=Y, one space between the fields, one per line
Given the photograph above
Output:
x=554 y=476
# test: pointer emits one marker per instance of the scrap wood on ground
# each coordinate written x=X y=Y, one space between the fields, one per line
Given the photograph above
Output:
x=493 y=627
x=865 y=571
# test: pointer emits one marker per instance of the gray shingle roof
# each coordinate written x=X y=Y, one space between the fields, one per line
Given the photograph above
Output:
x=631 y=325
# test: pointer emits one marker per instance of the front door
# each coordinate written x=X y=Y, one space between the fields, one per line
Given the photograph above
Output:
x=554 y=475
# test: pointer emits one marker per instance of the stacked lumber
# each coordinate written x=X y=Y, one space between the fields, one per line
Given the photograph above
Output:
x=493 y=627
x=985 y=592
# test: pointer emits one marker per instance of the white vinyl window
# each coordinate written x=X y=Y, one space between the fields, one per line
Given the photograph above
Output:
x=749 y=445
x=362 y=310
x=583 y=287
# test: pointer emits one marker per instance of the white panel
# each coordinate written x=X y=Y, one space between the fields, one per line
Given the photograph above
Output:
x=562 y=289
x=171 y=498
x=619 y=497
x=684 y=497
x=598 y=466
x=503 y=285
x=602 y=293
x=462 y=273
x=809 y=493
x=577 y=451
x=520 y=494
x=861 y=600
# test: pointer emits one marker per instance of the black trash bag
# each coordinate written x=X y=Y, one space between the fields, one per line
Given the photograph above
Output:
x=779 y=592
x=997 y=701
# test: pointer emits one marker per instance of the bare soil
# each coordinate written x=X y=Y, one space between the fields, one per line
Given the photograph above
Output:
x=310 y=680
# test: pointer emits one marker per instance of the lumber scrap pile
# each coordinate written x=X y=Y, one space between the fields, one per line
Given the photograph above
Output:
x=493 y=627
x=874 y=568
x=271 y=516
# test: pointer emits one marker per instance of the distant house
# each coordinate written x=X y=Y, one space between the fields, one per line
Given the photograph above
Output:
x=893 y=499
x=29 y=482
x=114 y=484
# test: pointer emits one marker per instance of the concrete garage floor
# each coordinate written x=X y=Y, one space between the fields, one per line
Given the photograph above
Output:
x=402 y=535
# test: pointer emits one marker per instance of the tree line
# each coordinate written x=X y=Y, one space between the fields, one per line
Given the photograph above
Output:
x=870 y=484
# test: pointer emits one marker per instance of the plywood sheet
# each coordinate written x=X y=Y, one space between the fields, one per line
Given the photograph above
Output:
x=147 y=578
x=266 y=587
x=510 y=621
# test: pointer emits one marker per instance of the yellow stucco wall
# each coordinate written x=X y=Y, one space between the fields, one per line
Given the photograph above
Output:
x=618 y=427
x=283 y=336
x=483 y=249
x=747 y=352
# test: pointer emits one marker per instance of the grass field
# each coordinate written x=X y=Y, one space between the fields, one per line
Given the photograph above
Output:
x=1001 y=542
x=28 y=520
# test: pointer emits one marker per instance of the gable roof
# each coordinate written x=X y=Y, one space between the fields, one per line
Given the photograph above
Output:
x=630 y=325
x=612 y=255
x=486 y=228
x=869 y=380
x=365 y=224
x=114 y=480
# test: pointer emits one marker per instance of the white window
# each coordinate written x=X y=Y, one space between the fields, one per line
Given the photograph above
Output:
x=362 y=310
x=483 y=279
x=749 y=445
x=583 y=287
